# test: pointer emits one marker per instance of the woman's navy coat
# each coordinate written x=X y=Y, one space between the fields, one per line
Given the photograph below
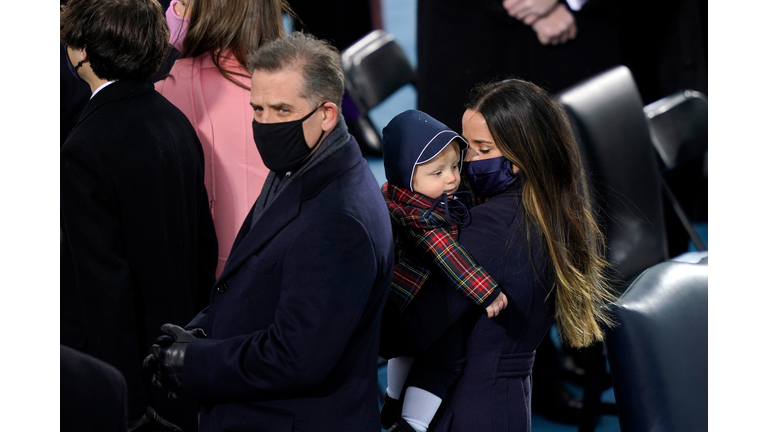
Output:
x=493 y=392
x=293 y=322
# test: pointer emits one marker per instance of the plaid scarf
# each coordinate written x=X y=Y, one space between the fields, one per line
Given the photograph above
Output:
x=426 y=238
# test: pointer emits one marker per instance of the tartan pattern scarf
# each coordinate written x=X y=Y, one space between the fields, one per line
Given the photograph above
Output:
x=425 y=239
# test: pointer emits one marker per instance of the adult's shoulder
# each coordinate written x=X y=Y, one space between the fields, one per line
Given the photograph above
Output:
x=346 y=183
x=196 y=85
x=185 y=64
x=181 y=71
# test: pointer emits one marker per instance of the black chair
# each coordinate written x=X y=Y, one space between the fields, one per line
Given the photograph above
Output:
x=658 y=353
x=606 y=113
x=678 y=127
x=375 y=67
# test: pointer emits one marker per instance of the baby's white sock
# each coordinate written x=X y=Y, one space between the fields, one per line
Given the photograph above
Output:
x=397 y=372
x=419 y=407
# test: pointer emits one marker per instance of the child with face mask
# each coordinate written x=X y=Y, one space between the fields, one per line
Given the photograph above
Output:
x=422 y=162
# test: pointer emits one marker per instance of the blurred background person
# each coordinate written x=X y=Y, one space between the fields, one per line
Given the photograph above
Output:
x=210 y=84
x=553 y=44
x=340 y=22
x=138 y=246
x=664 y=44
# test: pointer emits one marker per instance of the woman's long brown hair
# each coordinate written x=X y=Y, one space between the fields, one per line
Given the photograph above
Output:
x=239 y=26
x=531 y=129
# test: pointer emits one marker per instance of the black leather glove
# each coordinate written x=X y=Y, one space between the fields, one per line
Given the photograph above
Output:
x=166 y=357
x=150 y=421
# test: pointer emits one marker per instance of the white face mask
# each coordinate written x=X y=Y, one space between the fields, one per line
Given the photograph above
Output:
x=177 y=26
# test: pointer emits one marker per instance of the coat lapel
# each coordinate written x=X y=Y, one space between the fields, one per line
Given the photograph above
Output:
x=286 y=206
x=284 y=209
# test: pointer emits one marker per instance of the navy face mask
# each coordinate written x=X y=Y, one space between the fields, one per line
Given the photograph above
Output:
x=282 y=145
x=489 y=177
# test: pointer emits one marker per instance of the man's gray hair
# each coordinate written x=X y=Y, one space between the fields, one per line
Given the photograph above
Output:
x=318 y=62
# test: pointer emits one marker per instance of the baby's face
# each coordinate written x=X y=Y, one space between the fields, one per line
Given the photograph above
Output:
x=440 y=174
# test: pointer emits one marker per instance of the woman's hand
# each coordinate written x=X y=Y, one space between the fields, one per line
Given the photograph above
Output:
x=529 y=11
x=556 y=28
x=494 y=308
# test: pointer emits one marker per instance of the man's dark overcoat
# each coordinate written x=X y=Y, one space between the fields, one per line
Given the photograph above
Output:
x=138 y=244
x=293 y=322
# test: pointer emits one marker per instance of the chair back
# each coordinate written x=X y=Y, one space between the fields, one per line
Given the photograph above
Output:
x=678 y=126
x=606 y=113
x=658 y=352
x=374 y=68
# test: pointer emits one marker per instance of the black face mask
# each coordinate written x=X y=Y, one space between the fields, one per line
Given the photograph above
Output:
x=282 y=145
x=72 y=68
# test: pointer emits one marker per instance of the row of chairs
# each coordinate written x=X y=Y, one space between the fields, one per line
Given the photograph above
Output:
x=657 y=354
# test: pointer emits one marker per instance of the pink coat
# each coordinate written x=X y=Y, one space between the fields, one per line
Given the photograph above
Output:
x=221 y=114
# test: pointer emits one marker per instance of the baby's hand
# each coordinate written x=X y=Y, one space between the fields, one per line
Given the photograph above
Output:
x=494 y=308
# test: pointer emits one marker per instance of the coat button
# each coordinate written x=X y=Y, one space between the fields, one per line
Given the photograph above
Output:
x=221 y=288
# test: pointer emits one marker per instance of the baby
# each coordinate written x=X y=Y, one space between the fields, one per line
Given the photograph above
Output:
x=422 y=161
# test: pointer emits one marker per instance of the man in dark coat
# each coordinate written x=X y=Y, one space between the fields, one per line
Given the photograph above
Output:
x=138 y=244
x=293 y=324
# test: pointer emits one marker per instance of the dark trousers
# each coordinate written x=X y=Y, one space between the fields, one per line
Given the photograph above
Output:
x=439 y=360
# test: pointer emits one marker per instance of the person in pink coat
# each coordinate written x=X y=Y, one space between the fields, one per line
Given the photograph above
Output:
x=210 y=84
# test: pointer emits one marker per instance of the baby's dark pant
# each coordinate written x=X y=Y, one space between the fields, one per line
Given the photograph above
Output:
x=436 y=368
x=439 y=360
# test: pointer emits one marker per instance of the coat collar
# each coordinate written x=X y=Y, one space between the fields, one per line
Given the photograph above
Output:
x=227 y=61
x=287 y=205
x=121 y=89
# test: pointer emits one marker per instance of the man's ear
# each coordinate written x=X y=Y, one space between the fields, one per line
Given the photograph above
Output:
x=82 y=55
x=330 y=115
